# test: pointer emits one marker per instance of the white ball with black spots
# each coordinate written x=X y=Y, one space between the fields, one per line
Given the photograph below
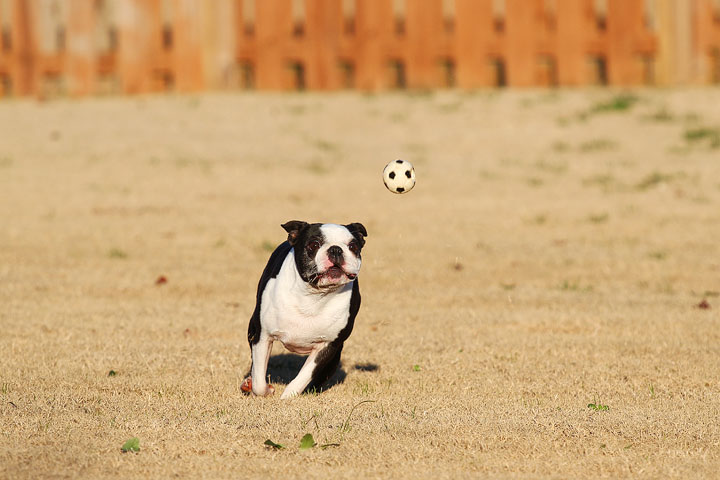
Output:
x=399 y=176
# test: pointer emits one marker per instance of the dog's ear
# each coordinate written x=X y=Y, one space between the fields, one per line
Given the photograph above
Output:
x=358 y=231
x=293 y=228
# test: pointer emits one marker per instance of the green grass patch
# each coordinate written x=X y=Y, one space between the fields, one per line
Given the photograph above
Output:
x=598 y=145
x=619 y=103
x=561 y=147
x=709 y=136
x=273 y=445
x=117 y=253
x=658 y=255
x=535 y=182
x=449 y=107
x=574 y=286
x=653 y=180
x=325 y=146
x=662 y=115
x=556 y=168
x=604 y=180
x=539 y=220
x=598 y=407
x=132 y=445
x=307 y=441
x=598 y=218
x=317 y=167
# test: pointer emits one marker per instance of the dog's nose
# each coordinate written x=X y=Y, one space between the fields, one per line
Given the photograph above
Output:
x=335 y=254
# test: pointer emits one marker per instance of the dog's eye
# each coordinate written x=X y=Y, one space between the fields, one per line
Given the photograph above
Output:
x=313 y=246
x=354 y=247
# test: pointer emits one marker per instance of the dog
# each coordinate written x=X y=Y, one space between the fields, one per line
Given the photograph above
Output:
x=307 y=298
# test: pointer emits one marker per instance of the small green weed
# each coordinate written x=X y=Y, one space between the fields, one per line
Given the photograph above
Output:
x=662 y=115
x=535 y=182
x=117 y=253
x=271 y=444
x=604 y=181
x=573 y=286
x=556 y=168
x=539 y=219
x=307 y=441
x=132 y=445
x=708 y=135
x=658 y=255
x=345 y=427
x=317 y=167
x=416 y=368
x=449 y=107
x=618 y=103
x=653 y=180
x=598 y=407
x=364 y=388
x=561 y=147
x=325 y=146
x=598 y=218
x=598 y=145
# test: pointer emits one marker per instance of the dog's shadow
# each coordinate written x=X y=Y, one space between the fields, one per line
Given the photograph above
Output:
x=284 y=367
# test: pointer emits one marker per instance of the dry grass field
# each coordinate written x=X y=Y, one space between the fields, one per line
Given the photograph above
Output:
x=555 y=255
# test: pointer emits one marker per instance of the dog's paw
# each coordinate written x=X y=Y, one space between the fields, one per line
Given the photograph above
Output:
x=246 y=388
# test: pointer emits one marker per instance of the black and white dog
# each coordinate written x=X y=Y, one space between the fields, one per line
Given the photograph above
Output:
x=307 y=298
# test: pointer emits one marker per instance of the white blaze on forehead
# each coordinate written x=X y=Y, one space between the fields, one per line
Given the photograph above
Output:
x=336 y=234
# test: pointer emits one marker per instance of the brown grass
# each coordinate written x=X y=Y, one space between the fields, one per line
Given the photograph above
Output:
x=521 y=283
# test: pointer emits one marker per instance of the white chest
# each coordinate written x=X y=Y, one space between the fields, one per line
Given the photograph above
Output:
x=301 y=319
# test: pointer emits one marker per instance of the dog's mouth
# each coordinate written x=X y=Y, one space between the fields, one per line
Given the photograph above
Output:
x=336 y=273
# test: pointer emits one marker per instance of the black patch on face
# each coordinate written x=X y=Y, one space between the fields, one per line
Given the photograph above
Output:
x=400 y=189
x=305 y=258
x=304 y=237
x=358 y=231
x=408 y=174
x=398 y=161
x=391 y=175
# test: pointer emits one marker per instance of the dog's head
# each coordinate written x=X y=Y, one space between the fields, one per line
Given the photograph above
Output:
x=327 y=256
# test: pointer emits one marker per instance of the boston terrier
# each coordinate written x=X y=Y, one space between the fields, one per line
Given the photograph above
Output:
x=307 y=298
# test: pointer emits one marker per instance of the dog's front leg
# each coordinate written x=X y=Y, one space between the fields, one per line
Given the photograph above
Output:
x=260 y=357
x=305 y=374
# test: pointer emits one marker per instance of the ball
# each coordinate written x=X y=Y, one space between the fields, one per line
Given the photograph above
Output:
x=399 y=176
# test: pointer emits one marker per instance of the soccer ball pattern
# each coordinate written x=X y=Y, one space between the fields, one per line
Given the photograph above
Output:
x=399 y=176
